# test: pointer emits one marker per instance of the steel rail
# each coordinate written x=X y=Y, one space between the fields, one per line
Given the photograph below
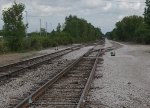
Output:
x=87 y=86
x=14 y=73
x=30 y=59
x=41 y=90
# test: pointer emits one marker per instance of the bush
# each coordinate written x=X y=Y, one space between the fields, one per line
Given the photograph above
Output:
x=26 y=44
x=131 y=28
x=36 y=43
x=147 y=38
x=3 y=48
x=63 y=38
x=46 y=42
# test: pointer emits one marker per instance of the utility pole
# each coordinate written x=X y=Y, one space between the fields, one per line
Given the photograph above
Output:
x=26 y=23
x=40 y=27
x=46 y=28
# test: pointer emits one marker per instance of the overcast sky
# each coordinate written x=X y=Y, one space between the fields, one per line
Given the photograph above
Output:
x=101 y=13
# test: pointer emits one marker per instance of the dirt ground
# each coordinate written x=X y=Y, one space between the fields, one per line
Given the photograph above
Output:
x=14 y=57
x=10 y=58
x=125 y=81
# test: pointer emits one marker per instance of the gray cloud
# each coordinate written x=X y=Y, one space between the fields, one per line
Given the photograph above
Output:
x=101 y=13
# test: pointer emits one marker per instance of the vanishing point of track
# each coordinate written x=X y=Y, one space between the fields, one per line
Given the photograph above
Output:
x=69 y=87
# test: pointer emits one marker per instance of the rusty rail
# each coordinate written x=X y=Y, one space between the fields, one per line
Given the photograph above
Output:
x=30 y=59
x=87 y=86
x=26 y=102
x=14 y=73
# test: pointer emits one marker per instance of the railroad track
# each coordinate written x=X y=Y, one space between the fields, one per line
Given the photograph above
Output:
x=68 y=88
x=14 y=69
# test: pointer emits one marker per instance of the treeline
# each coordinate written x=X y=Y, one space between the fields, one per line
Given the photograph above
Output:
x=133 y=28
x=74 y=30
x=81 y=30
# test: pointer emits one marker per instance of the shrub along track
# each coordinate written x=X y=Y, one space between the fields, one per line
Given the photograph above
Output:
x=68 y=88
x=15 y=69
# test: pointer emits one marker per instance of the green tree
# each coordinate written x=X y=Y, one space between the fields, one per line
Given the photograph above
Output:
x=147 y=13
x=81 y=30
x=128 y=29
x=133 y=28
x=14 y=29
x=1 y=33
x=59 y=28
x=43 y=31
x=147 y=21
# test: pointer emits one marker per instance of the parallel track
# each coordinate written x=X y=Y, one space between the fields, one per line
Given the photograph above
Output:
x=14 y=69
x=68 y=88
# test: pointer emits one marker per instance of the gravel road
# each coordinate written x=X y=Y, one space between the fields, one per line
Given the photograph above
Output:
x=125 y=81
x=22 y=85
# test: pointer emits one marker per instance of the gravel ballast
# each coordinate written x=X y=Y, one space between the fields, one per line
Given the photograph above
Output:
x=76 y=54
x=15 y=57
x=125 y=79
x=22 y=85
